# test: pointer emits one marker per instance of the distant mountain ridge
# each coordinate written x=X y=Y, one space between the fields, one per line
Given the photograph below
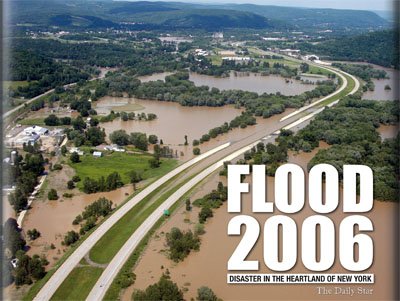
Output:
x=107 y=13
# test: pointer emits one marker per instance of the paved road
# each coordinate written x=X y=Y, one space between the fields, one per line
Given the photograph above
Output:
x=103 y=283
x=63 y=271
x=16 y=109
x=225 y=152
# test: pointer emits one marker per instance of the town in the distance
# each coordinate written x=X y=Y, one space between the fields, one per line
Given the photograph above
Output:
x=120 y=119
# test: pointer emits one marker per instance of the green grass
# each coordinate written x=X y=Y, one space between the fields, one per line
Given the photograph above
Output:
x=317 y=70
x=122 y=163
x=35 y=288
x=32 y=121
x=71 y=289
x=115 y=289
x=15 y=84
x=350 y=86
x=106 y=248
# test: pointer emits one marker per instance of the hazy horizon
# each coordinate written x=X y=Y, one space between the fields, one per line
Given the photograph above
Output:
x=371 y=5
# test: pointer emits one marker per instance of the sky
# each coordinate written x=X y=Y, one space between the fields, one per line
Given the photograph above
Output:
x=372 y=5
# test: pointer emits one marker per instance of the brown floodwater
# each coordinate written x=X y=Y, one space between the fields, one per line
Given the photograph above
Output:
x=53 y=219
x=154 y=77
x=388 y=131
x=379 y=92
x=173 y=120
x=209 y=265
x=252 y=82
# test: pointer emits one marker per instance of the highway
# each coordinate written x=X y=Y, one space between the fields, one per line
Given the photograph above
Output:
x=21 y=106
x=110 y=272
x=211 y=161
x=63 y=271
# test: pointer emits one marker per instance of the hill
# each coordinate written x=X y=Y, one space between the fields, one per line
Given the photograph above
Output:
x=175 y=15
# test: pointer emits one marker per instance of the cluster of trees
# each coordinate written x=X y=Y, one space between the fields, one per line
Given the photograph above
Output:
x=137 y=139
x=270 y=154
x=164 y=289
x=241 y=121
x=80 y=134
x=112 y=182
x=23 y=174
x=377 y=47
x=140 y=60
x=89 y=217
x=351 y=130
x=365 y=72
x=53 y=120
x=70 y=238
x=180 y=243
x=128 y=116
x=41 y=73
x=179 y=89
x=211 y=201
x=205 y=66
x=28 y=268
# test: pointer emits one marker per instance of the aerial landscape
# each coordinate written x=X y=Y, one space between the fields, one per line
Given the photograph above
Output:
x=120 y=118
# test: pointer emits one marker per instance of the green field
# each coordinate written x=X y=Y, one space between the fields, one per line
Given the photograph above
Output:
x=15 y=84
x=32 y=121
x=78 y=290
x=122 y=163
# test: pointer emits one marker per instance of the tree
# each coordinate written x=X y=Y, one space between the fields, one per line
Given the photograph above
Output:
x=153 y=139
x=204 y=214
x=134 y=177
x=95 y=136
x=70 y=238
x=70 y=184
x=13 y=240
x=52 y=120
x=52 y=195
x=119 y=137
x=181 y=243
x=75 y=157
x=33 y=234
x=18 y=199
x=188 y=206
x=139 y=140
x=79 y=124
x=196 y=151
x=186 y=140
x=164 y=289
x=204 y=293
x=113 y=181
x=64 y=150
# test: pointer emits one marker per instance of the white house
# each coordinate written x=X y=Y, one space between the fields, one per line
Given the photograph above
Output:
x=38 y=130
x=97 y=154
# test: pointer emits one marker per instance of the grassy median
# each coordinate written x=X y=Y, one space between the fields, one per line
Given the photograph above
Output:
x=71 y=289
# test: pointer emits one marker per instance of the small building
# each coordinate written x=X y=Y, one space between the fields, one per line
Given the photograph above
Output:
x=75 y=150
x=97 y=154
x=237 y=59
x=166 y=212
x=36 y=130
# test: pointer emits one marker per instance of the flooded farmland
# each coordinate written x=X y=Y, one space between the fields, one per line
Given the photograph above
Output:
x=173 y=120
x=381 y=92
x=60 y=214
x=209 y=266
x=252 y=82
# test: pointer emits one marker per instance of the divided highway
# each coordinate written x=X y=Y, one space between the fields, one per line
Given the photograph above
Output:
x=63 y=271
x=212 y=159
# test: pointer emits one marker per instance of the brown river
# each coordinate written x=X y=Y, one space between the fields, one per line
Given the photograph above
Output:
x=209 y=265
